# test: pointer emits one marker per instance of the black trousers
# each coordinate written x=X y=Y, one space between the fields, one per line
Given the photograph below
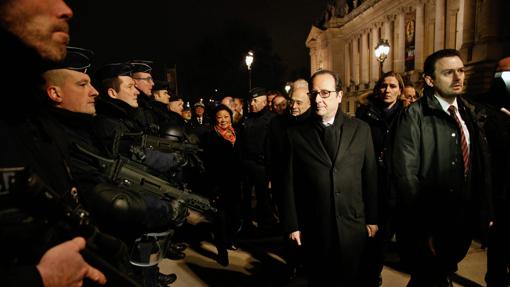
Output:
x=257 y=178
x=498 y=247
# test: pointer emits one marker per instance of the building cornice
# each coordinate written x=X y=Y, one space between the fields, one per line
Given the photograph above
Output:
x=339 y=22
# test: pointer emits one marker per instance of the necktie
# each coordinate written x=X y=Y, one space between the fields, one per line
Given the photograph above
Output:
x=463 y=141
x=330 y=141
x=200 y=120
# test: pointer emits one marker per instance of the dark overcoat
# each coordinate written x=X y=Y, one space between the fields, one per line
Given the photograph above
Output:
x=331 y=200
x=436 y=201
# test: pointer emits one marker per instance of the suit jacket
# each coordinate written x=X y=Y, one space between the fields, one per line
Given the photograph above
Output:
x=313 y=180
x=435 y=199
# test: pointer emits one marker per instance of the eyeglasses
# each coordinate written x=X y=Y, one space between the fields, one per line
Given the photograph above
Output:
x=148 y=79
x=323 y=93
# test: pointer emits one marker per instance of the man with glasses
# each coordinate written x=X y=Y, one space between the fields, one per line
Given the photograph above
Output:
x=280 y=105
x=144 y=83
x=142 y=77
x=299 y=102
x=299 y=110
x=120 y=211
x=409 y=95
x=330 y=192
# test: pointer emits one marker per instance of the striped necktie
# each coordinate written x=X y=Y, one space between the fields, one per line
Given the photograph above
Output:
x=463 y=141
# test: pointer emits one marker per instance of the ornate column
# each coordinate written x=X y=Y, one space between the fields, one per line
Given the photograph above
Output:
x=337 y=47
x=468 y=33
x=364 y=57
x=388 y=35
x=459 y=25
x=374 y=64
x=326 y=59
x=439 y=27
x=347 y=64
x=356 y=59
x=400 y=46
x=313 y=58
x=419 y=37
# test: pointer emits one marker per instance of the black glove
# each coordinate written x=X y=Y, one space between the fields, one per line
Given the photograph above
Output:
x=153 y=129
x=137 y=153
x=181 y=160
x=178 y=211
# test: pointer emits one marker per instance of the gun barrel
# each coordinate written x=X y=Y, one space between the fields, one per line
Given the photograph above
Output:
x=123 y=172
x=167 y=145
x=156 y=185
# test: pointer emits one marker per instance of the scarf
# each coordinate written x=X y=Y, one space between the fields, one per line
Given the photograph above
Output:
x=227 y=133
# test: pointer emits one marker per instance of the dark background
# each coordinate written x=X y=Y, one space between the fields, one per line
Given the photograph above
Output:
x=205 y=40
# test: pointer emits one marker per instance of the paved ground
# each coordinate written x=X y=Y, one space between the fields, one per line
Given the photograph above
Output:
x=257 y=263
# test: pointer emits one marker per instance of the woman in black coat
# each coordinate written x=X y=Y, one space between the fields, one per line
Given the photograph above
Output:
x=222 y=162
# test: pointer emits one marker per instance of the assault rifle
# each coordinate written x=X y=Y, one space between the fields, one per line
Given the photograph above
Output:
x=161 y=144
x=166 y=145
x=129 y=174
x=35 y=196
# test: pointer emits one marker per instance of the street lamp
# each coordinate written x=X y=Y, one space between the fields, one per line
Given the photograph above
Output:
x=381 y=53
x=249 y=60
x=287 y=88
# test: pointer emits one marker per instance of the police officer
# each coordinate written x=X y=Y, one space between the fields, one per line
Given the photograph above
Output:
x=160 y=101
x=144 y=83
x=29 y=257
x=126 y=213
x=253 y=155
x=116 y=122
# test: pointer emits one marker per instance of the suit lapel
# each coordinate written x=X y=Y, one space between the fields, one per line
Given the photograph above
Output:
x=312 y=137
x=347 y=132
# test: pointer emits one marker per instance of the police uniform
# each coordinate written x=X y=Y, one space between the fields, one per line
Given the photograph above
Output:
x=115 y=125
x=253 y=151
x=123 y=212
x=145 y=114
x=28 y=225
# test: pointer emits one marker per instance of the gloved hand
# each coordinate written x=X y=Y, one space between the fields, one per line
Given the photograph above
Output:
x=181 y=160
x=137 y=153
x=153 y=129
x=195 y=162
x=178 y=211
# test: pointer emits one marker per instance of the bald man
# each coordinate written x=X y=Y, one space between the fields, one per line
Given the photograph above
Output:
x=299 y=100
x=229 y=102
x=33 y=33
x=299 y=110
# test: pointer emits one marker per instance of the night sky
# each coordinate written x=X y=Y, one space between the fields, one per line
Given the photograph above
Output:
x=170 y=32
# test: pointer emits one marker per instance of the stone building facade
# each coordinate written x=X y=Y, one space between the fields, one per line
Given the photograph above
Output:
x=345 y=38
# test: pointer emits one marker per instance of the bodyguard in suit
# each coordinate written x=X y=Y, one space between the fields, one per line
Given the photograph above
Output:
x=330 y=194
x=497 y=128
x=440 y=164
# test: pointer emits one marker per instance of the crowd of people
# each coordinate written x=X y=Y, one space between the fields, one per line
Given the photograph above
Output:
x=101 y=172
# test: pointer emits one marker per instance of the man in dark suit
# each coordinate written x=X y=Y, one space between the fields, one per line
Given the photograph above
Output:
x=440 y=165
x=497 y=128
x=330 y=194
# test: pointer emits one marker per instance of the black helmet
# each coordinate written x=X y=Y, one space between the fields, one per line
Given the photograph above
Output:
x=172 y=132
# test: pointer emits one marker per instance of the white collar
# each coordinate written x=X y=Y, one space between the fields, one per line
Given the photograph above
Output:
x=328 y=123
x=444 y=104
